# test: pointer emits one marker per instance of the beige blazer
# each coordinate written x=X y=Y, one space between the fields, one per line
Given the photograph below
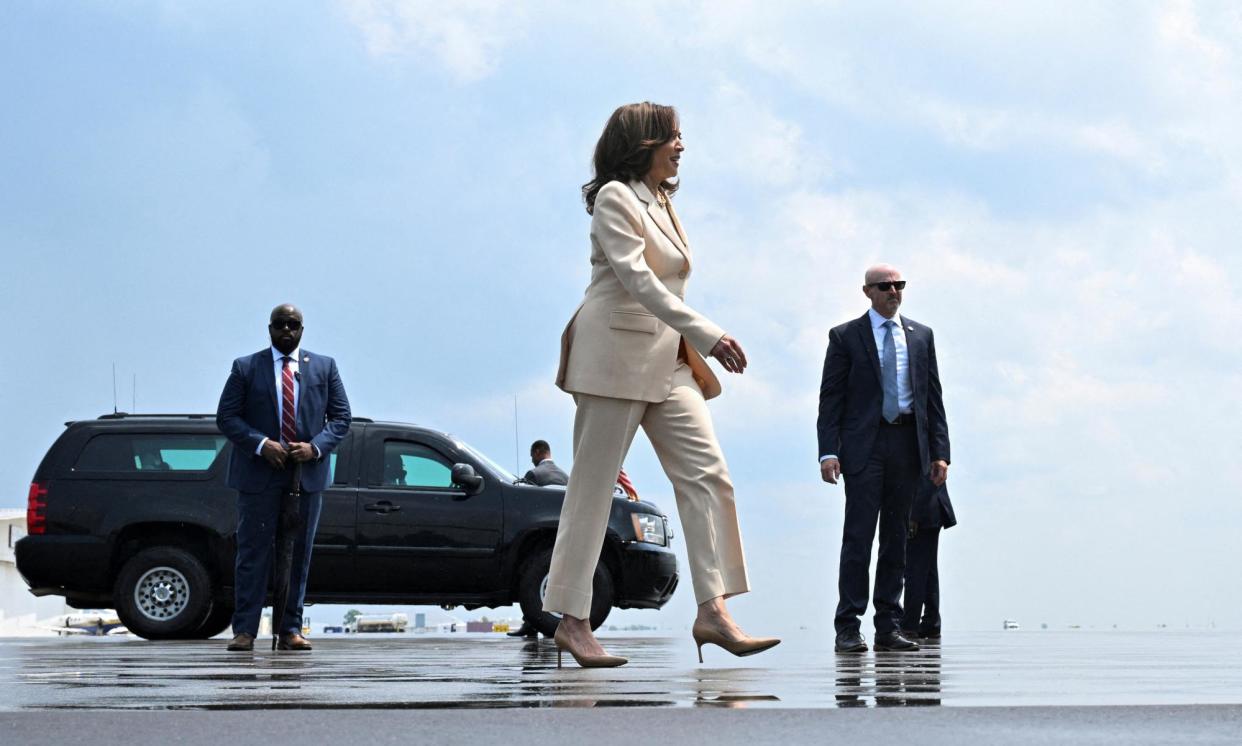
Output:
x=624 y=339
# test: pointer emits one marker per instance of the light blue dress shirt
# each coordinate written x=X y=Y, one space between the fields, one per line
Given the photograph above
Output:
x=905 y=390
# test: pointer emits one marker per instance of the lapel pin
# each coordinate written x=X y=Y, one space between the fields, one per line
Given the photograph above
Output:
x=909 y=328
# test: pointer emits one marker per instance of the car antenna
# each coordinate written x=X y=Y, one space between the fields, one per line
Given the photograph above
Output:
x=517 y=464
x=114 y=388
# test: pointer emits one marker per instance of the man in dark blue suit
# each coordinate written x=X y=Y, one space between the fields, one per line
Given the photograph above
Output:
x=881 y=425
x=932 y=511
x=280 y=405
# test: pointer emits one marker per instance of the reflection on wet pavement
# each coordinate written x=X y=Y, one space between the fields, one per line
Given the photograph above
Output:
x=459 y=671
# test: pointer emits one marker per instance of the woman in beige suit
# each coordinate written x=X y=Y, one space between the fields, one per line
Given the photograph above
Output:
x=633 y=355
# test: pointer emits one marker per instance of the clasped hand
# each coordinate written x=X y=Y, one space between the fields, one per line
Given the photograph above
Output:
x=277 y=455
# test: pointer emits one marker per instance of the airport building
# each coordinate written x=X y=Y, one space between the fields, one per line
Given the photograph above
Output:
x=20 y=612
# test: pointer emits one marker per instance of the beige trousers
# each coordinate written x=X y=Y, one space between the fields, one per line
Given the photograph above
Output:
x=680 y=430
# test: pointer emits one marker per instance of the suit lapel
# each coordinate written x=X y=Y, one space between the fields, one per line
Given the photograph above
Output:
x=685 y=243
x=915 y=349
x=265 y=370
x=660 y=217
x=868 y=340
x=304 y=367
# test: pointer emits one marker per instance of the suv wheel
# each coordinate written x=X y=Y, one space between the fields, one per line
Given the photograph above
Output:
x=218 y=620
x=533 y=584
x=163 y=593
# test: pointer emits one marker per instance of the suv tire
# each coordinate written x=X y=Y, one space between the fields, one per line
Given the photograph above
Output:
x=163 y=593
x=533 y=580
x=218 y=620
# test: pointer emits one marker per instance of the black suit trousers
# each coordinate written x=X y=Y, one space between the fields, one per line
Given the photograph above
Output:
x=882 y=491
x=922 y=607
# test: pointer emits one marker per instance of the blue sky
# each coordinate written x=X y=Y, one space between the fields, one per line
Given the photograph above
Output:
x=1059 y=184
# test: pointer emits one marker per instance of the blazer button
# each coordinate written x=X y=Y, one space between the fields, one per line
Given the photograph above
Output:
x=681 y=274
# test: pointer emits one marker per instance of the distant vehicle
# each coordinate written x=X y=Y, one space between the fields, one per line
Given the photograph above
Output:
x=378 y=623
x=132 y=511
x=1009 y=624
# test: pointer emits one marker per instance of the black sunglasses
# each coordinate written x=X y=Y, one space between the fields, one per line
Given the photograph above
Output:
x=887 y=286
x=290 y=324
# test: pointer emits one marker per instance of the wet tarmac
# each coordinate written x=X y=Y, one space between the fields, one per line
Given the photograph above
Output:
x=420 y=672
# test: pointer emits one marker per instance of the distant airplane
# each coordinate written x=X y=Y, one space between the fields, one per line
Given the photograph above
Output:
x=94 y=622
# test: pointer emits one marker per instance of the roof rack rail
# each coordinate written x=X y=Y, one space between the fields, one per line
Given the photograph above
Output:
x=123 y=415
x=192 y=416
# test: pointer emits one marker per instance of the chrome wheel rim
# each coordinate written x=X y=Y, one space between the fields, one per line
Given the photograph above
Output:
x=161 y=593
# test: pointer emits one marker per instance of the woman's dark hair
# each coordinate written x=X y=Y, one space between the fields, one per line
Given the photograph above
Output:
x=624 y=151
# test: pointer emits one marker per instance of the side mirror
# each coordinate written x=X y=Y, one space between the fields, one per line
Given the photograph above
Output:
x=463 y=476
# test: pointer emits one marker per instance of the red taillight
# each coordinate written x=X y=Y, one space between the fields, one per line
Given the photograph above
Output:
x=36 y=509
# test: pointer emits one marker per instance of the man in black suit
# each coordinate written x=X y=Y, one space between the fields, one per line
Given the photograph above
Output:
x=881 y=425
x=545 y=472
x=932 y=511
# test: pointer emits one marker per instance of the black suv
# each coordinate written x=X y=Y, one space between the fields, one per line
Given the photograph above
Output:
x=132 y=511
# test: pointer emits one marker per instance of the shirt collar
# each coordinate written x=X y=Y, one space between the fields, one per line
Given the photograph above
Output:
x=545 y=461
x=877 y=321
x=277 y=354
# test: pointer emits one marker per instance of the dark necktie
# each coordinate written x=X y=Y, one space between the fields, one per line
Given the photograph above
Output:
x=288 y=416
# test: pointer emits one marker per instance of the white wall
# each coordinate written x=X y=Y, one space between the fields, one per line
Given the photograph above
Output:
x=20 y=611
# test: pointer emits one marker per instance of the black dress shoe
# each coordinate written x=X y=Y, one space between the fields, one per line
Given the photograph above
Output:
x=931 y=634
x=850 y=642
x=526 y=630
x=241 y=642
x=893 y=642
x=910 y=634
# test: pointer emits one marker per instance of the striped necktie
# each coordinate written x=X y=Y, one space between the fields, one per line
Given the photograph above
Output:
x=288 y=414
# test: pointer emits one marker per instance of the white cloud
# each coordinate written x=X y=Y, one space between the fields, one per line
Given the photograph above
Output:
x=756 y=142
x=466 y=37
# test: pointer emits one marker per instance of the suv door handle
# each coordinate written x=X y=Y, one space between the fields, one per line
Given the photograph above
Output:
x=382 y=507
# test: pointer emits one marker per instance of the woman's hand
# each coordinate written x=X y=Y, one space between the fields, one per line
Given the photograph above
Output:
x=729 y=352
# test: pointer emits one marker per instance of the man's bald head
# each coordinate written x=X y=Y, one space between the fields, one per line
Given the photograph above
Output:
x=286 y=309
x=879 y=273
x=884 y=301
x=285 y=327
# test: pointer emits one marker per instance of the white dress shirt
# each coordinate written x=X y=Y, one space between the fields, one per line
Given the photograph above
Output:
x=905 y=387
x=278 y=367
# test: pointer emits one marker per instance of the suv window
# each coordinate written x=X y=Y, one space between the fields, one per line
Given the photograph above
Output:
x=145 y=452
x=409 y=464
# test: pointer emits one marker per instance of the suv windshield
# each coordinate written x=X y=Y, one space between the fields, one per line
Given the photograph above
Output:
x=496 y=468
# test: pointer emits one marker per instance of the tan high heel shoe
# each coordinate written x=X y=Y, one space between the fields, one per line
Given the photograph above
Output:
x=586 y=661
x=704 y=635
